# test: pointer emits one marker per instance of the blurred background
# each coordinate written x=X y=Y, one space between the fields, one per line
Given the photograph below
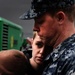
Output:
x=13 y=9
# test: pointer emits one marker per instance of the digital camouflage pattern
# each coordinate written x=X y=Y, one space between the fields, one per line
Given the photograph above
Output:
x=39 y=7
x=62 y=59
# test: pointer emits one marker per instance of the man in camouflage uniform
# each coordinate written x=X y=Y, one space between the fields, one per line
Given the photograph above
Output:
x=54 y=22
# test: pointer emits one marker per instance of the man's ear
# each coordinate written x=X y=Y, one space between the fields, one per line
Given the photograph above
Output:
x=60 y=16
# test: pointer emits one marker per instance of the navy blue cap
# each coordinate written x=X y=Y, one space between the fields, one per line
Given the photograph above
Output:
x=38 y=7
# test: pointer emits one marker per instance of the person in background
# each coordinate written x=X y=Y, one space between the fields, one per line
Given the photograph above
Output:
x=39 y=54
x=37 y=61
x=54 y=22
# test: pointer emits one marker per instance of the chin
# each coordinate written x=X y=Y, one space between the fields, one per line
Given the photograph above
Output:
x=39 y=62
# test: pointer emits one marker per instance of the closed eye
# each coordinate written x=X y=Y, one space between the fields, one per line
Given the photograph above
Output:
x=39 y=44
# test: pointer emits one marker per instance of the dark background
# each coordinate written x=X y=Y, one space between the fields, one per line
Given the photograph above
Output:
x=13 y=9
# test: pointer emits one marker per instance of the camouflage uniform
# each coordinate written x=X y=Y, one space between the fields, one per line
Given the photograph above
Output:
x=62 y=59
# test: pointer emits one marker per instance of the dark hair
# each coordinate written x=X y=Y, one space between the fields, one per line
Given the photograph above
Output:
x=13 y=62
x=69 y=11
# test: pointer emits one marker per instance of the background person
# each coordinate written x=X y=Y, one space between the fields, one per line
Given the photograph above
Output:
x=54 y=22
x=37 y=61
x=38 y=54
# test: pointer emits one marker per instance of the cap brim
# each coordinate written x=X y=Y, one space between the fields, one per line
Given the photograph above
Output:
x=30 y=14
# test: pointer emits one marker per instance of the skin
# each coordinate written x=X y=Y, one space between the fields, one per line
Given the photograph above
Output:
x=13 y=62
x=54 y=29
x=39 y=53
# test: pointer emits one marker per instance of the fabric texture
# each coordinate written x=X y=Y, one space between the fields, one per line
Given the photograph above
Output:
x=62 y=59
x=39 y=7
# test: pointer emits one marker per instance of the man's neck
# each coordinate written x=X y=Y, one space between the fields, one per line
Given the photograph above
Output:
x=66 y=32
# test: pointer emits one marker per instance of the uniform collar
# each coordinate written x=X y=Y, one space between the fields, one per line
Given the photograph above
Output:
x=60 y=49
